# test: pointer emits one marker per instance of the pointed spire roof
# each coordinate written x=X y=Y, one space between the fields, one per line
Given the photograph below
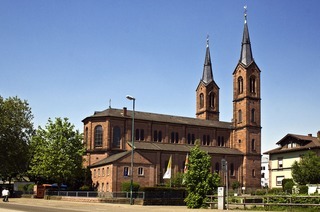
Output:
x=207 y=75
x=246 y=53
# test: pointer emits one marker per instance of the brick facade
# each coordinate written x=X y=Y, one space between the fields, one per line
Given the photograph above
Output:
x=157 y=137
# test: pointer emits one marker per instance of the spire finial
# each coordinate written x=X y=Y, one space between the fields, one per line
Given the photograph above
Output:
x=245 y=13
x=207 y=40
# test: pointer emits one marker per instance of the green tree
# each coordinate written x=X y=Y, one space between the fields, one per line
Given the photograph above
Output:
x=16 y=129
x=198 y=180
x=57 y=152
x=307 y=170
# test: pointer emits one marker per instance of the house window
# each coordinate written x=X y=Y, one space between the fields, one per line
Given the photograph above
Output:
x=240 y=85
x=98 y=136
x=140 y=171
x=280 y=163
x=103 y=172
x=253 y=173
x=201 y=100
x=108 y=171
x=116 y=137
x=279 y=180
x=98 y=172
x=126 y=171
x=262 y=175
x=94 y=173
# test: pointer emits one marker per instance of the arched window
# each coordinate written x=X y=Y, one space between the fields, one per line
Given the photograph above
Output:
x=159 y=136
x=86 y=136
x=253 y=115
x=204 y=140
x=141 y=135
x=253 y=173
x=239 y=116
x=212 y=100
x=222 y=141
x=240 y=85
x=177 y=137
x=217 y=168
x=155 y=136
x=208 y=140
x=252 y=84
x=201 y=100
x=98 y=136
x=137 y=134
x=193 y=139
x=232 y=173
x=219 y=142
x=172 y=137
x=116 y=137
x=253 y=148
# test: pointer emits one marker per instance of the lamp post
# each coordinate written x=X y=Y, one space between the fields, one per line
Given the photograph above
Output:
x=132 y=146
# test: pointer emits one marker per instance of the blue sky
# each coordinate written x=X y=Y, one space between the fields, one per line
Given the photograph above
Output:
x=69 y=58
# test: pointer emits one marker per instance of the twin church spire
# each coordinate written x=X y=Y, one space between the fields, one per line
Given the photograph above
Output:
x=207 y=90
x=246 y=57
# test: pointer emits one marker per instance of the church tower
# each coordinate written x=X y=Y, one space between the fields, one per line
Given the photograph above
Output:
x=247 y=111
x=207 y=92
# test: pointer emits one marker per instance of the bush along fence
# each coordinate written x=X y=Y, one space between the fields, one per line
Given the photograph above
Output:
x=269 y=202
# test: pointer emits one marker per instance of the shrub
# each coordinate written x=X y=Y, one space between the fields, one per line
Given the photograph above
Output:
x=303 y=189
x=287 y=185
x=125 y=186
x=259 y=192
x=275 y=191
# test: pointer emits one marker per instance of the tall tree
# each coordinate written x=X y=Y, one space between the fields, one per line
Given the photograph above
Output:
x=199 y=180
x=307 y=170
x=56 y=152
x=16 y=129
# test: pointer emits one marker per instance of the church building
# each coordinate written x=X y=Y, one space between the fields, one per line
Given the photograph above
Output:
x=157 y=137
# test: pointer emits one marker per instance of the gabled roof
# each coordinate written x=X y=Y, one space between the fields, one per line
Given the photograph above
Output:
x=111 y=159
x=169 y=147
x=308 y=142
x=160 y=118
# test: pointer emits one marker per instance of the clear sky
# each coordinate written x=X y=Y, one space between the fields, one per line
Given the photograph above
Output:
x=69 y=58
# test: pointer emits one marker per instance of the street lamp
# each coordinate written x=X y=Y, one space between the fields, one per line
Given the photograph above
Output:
x=132 y=145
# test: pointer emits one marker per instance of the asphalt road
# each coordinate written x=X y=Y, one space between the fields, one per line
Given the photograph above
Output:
x=41 y=205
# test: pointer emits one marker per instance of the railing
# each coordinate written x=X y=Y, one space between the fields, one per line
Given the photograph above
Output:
x=136 y=195
x=264 y=201
x=73 y=193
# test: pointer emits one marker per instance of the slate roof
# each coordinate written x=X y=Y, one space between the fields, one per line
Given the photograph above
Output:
x=140 y=145
x=246 y=57
x=309 y=143
x=111 y=112
x=111 y=159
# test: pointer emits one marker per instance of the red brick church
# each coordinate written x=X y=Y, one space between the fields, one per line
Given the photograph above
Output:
x=107 y=134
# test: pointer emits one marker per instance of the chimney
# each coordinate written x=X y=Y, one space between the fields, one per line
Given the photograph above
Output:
x=310 y=134
x=124 y=111
x=318 y=135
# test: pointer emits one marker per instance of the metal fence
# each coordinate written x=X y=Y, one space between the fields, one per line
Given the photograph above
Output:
x=136 y=195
